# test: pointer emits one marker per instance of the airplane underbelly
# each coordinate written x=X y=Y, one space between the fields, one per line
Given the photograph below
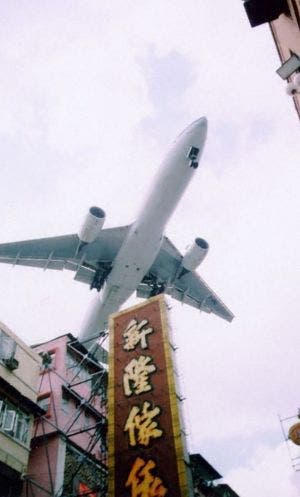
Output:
x=130 y=266
x=134 y=260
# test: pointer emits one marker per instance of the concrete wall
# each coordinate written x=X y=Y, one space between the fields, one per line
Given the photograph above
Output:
x=13 y=454
x=25 y=377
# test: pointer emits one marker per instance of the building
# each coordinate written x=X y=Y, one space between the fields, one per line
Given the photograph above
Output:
x=283 y=17
x=19 y=374
x=205 y=477
x=68 y=449
x=53 y=423
x=68 y=455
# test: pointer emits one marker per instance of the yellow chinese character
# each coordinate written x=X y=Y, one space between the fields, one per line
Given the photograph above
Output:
x=135 y=333
x=142 y=482
x=143 y=424
x=136 y=375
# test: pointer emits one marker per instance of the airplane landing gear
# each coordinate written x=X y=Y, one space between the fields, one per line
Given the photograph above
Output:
x=99 y=278
x=157 y=289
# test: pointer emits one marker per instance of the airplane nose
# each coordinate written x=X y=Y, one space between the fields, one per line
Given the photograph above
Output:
x=194 y=134
x=196 y=138
x=198 y=125
x=198 y=130
x=202 y=122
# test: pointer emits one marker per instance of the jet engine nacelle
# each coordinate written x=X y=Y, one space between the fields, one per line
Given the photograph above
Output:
x=195 y=254
x=92 y=225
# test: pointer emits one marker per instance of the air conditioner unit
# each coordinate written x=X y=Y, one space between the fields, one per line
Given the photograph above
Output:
x=7 y=347
x=290 y=66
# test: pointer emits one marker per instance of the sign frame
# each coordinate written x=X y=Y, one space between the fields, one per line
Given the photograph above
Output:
x=172 y=397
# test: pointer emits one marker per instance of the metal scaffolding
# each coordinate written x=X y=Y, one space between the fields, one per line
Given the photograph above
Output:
x=49 y=427
x=293 y=450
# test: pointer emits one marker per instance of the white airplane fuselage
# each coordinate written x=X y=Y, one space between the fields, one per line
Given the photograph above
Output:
x=144 y=238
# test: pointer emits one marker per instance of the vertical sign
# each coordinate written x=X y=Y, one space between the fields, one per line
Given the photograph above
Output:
x=144 y=439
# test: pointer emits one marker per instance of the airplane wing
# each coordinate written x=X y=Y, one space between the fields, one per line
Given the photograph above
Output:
x=189 y=289
x=91 y=264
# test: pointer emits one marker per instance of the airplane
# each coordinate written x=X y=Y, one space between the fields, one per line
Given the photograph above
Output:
x=138 y=257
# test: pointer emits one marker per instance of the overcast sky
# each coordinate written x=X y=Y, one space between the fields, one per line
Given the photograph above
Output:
x=92 y=93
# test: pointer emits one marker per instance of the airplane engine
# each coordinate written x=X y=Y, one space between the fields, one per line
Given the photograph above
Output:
x=195 y=254
x=92 y=225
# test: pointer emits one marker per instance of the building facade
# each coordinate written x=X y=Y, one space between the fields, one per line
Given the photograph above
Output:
x=19 y=374
x=53 y=423
x=68 y=450
x=283 y=17
x=205 y=479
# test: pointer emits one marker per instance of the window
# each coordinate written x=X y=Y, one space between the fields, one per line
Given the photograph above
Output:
x=44 y=401
x=9 y=420
x=71 y=361
x=86 y=420
x=13 y=421
x=79 y=372
x=65 y=404
x=103 y=452
x=99 y=385
x=21 y=428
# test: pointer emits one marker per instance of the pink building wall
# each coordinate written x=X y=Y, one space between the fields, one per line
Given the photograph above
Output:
x=72 y=415
x=39 y=470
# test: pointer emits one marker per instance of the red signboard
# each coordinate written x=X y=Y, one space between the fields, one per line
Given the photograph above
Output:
x=145 y=446
x=84 y=490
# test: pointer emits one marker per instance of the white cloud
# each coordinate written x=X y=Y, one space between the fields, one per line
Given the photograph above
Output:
x=270 y=474
x=83 y=122
x=77 y=95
